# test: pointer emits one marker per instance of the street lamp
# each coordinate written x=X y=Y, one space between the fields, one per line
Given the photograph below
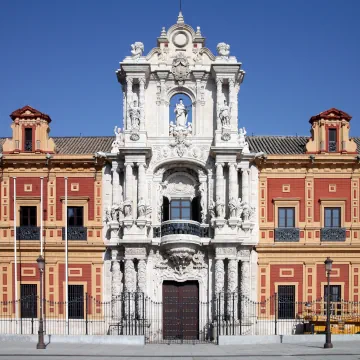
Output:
x=41 y=265
x=328 y=267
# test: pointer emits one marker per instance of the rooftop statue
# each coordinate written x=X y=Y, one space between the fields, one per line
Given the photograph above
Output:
x=136 y=50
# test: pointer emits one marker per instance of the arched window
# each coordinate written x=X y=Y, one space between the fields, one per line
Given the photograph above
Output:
x=181 y=110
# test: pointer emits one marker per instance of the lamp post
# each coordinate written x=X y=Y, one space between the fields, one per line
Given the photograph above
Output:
x=41 y=265
x=328 y=267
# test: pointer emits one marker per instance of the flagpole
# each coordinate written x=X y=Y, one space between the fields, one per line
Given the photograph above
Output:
x=41 y=215
x=15 y=255
x=66 y=255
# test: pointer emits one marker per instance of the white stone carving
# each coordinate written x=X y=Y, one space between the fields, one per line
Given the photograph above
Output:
x=219 y=276
x=134 y=116
x=224 y=115
x=223 y=50
x=220 y=207
x=141 y=208
x=203 y=201
x=128 y=208
x=119 y=140
x=116 y=285
x=137 y=50
x=180 y=68
x=242 y=142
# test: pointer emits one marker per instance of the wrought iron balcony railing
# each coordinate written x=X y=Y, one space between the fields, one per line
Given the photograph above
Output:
x=173 y=227
x=75 y=233
x=28 y=145
x=333 y=234
x=28 y=233
x=287 y=234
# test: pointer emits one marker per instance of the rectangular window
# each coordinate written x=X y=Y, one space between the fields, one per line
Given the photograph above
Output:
x=28 y=295
x=332 y=217
x=180 y=210
x=286 y=217
x=75 y=216
x=332 y=140
x=76 y=301
x=28 y=216
x=335 y=299
x=28 y=146
x=286 y=301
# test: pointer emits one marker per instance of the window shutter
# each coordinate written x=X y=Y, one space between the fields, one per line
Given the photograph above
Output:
x=165 y=209
x=195 y=209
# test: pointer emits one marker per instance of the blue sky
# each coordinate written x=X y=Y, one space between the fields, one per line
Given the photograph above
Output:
x=59 y=56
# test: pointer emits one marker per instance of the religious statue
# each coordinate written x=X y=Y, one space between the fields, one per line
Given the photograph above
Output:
x=220 y=207
x=134 y=114
x=223 y=50
x=233 y=204
x=181 y=114
x=141 y=208
x=212 y=210
x=119 y=140
x=224 y=114
x=107 y=216
x=246 y=212
x=127 y=208
x=148 y=212
x=239 y=208
x=136 y=50
x=242 y=142
x=115 y=213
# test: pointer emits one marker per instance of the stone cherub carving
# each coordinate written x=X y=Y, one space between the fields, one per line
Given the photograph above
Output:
x=223 y=50
x=136 y=50
x=119 y=140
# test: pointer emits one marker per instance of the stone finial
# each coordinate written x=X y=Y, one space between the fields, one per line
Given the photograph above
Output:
x=180 y=19
x=198 y=31
x=163 y=32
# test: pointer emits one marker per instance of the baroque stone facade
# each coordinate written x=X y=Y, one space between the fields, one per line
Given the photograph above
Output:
x=162 y=158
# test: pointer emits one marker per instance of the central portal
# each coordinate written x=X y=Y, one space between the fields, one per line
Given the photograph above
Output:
x=181 y=310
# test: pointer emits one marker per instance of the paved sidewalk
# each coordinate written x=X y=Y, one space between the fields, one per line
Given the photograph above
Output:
x=22 y=351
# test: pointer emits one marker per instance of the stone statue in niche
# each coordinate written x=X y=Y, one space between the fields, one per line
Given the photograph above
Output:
x=141 y=208
x=181 y=114
x=220 y=207
x=180 y=130
x=223 y=50
x=134 y=115
x=127 y=208
x=136 y=50
x=119 y=140
x=233 y=204
x=224 y=116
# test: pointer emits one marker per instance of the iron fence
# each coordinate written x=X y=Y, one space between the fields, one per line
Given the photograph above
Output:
x=193 y=321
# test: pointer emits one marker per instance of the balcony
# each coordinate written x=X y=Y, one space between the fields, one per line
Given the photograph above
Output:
x=287 y=234
x=333 y=234
x=28 y=233
x=75 y=233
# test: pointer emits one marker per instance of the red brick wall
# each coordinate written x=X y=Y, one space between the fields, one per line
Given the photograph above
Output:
x=86 y=188
x=344 y=277
x=28 y=278
x=297 y=190
x=36 y=191
x=321 y=190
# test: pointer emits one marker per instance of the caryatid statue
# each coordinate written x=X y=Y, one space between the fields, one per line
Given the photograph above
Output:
x=181 y=114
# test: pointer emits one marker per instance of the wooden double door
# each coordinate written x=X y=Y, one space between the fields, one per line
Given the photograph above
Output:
x=181 y=310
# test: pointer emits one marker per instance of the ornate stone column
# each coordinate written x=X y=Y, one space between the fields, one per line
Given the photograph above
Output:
x=115 y=203
x=232 y=101
x=128 y=205
x=233 y=181
x=129 y=86
x=219 y=287
x=245 y=185
x=141 y=187
x=141 y=287
x=219 y=98
x=116 y=285
x=232 y=282
x=142 y=102
x=245 y=279
x=220 y=180
x=130 y=288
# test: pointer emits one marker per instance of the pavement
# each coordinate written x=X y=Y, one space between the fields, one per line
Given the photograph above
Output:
x=27 y=350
